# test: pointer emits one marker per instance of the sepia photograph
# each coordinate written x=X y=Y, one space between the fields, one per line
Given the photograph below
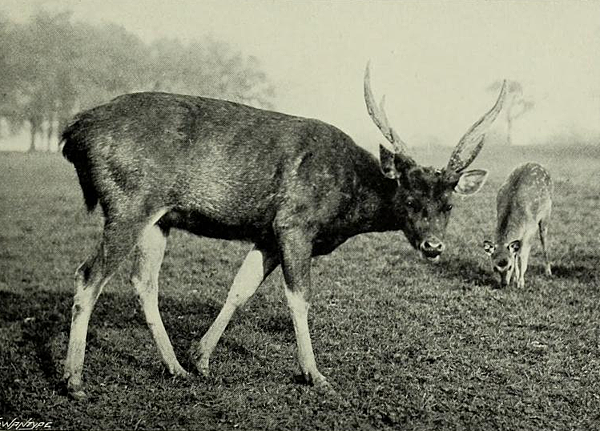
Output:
x=299 y=215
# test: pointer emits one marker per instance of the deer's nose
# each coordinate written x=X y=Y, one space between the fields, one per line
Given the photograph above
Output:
x=432 y=247
x=502 y=263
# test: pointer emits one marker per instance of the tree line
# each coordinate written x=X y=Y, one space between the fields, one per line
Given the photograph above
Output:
x=52 y=67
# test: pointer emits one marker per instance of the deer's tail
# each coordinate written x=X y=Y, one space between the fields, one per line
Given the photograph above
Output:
x=75 y=150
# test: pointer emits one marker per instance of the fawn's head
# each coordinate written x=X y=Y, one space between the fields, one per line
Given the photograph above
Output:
x=423 y=196
x=503 y=258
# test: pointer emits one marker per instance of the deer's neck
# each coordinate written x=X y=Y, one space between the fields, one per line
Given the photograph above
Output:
x=373 y=204
x=511 y=224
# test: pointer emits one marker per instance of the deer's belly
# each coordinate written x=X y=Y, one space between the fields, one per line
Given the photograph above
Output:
x=256 y=231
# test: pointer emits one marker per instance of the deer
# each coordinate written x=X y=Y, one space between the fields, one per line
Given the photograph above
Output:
x=523 y=206
x=295 y=188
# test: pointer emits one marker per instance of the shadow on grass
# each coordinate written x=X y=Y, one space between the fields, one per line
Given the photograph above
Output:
x=34 y=328
x=276 y=324
x=581 y=266
x=466 y=272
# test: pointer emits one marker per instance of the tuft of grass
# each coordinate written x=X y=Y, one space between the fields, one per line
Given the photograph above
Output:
x=407 y=344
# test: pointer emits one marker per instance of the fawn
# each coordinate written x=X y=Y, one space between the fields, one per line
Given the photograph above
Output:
x=523 y=205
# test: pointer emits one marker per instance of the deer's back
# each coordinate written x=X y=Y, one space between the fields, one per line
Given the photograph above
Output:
x=213 y=162
x=525 y=197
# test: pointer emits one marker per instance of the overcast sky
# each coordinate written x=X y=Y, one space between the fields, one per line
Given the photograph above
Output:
x=433 y=60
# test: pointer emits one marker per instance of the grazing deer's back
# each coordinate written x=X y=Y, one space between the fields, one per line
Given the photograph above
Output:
x=524 y=196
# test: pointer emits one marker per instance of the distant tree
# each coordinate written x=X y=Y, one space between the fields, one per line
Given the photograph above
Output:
x=515 y=107
x=52 y=67
x=208 y=68
x=38 y=59
x=9 y=82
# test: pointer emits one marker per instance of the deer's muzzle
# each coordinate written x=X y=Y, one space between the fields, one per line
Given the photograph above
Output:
x=432 y=248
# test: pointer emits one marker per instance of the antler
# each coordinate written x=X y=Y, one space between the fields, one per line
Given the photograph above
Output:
x=470 y=144
x=377 y=114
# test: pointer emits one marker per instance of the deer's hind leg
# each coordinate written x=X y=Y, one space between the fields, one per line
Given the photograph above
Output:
x=149 y=253
x=543 y=230
x=118 y=239
x=120 y=236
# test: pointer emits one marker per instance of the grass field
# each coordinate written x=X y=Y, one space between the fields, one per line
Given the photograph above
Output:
x=407 y=344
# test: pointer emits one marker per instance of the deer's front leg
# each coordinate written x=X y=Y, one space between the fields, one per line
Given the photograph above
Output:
x=296 y=253
x=523 y=261
x=257 y=265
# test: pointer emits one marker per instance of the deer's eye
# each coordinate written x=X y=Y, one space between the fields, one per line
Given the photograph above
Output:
x=413 y=204
x=447 y=207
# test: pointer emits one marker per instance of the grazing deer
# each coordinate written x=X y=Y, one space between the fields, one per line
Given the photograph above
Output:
x=523 y=206
x=293 y=187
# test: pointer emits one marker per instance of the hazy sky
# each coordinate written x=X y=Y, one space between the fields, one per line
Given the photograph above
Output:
x=433 y=60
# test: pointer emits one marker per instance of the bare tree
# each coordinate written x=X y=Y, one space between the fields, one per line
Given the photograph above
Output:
x=516 y=106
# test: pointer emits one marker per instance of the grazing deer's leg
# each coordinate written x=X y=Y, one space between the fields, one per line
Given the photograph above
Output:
x=517 y=269
x=296 y=257
x=257 y=265
x=146 y=267
x=118 y=240
x=543 y=229
x=523 y=261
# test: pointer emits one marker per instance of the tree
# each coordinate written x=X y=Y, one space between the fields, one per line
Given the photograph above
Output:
x=208 y=68
x=516 y=106
x=9 y=82
x=52 y=68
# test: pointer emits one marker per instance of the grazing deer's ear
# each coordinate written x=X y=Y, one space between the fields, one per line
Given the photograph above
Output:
x=471 y=181
x=489 y=247
x=514 y=246
x=387 y=159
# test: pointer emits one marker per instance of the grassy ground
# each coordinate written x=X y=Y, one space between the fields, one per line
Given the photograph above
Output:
x=408 y=345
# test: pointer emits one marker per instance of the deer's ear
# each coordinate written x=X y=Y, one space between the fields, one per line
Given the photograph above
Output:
x=387 y=160
x=470 y=182
x=489 y=247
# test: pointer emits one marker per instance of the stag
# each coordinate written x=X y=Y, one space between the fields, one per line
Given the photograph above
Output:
x=523 y=206
x=293 y=187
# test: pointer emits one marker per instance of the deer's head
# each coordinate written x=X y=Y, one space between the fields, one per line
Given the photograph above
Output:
x=423 y=196
x=504 y=259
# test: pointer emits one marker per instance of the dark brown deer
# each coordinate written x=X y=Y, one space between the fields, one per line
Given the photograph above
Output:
x=293 y=187
x=523 y=207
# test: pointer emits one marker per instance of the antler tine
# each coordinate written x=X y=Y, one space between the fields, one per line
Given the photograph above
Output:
x=471 y=143
x=379 y=117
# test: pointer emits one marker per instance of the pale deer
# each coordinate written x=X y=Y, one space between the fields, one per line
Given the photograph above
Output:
x=293 y=187
x=523 y=207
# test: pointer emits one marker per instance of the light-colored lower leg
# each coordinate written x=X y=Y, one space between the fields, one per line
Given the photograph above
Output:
x=306 y=358
x=119 y=238
x=543 y=228
x=86 y=294
x=148 y=259
x=517 y=270
x=523 y=261
x=256 y=266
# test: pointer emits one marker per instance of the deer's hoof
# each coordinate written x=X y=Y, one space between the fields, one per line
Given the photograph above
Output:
x=77 y=394
x=325 y=388
x=179 y=373
x=320 y=383
x=203 y=368
x=74 y=386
